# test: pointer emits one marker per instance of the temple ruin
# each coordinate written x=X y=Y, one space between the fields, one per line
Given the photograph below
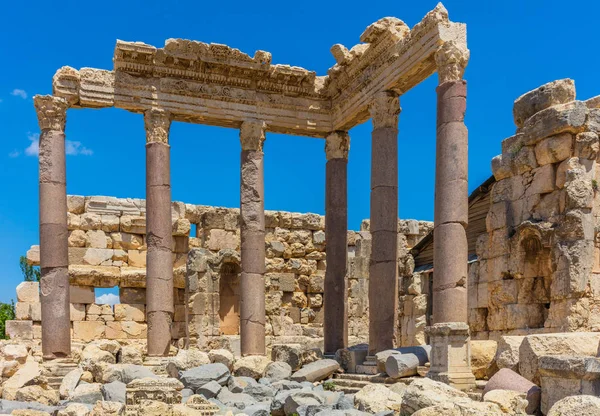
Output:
x=504 y=280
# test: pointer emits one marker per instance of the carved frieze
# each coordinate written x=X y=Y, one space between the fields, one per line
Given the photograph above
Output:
x=51 y=112
x=166 y=390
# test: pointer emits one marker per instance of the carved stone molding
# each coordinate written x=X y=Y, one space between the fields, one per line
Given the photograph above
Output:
x=337 y=145
x=451 y=60
x=51 y=112
x=385 y=109
x=252 y=134
x=157 y=123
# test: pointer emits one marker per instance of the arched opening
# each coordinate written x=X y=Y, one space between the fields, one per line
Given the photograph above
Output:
x=229 y=299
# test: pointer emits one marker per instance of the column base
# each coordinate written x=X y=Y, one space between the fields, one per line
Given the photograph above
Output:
x=451 y=355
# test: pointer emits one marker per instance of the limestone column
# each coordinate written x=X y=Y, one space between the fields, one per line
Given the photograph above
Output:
x=383 y=264
x=337 y=145
x=54 y=258
x=449 y=335
x=159 y=257
x=252 y=224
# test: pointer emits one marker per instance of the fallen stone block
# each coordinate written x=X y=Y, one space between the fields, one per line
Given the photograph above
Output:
x=506 y=379
x=316 y=371
x=401 y=365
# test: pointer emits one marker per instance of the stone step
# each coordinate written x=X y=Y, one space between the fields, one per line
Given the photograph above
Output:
x=348 y=390
x=340 y=382
x=367 y=369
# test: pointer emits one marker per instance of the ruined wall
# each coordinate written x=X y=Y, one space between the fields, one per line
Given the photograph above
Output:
x=538 y=262
x=107 y=248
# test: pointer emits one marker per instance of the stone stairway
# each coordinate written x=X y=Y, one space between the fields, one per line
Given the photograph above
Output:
x=56 y=370
x=351 y=383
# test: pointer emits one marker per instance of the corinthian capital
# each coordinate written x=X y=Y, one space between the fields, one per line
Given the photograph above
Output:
x=252 y=134
x=157 y=123
x=51 y=112
x=451 y=60
x=384 y=109
x=337 y=145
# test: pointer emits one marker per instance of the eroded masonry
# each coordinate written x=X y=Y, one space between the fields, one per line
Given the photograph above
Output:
x=501 y=280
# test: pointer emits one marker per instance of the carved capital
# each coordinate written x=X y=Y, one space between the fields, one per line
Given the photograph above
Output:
x=51 y=112
x=157 y=123
x=337 y=145
x=252 y=134
x=451 y=60
x=384 y=109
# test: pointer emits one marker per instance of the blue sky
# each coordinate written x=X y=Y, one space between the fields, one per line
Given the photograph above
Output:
x=516 y=45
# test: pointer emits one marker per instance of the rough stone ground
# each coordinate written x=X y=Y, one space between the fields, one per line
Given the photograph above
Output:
x=297 y=383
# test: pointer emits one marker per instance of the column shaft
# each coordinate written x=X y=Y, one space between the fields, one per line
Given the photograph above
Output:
x=159 y=257
x=54 y=259
x=252 y=224
x=336 y=237
x=451 y=205
x=383 y=265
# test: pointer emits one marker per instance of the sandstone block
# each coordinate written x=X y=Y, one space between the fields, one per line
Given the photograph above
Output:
x=133 y=224
x=316 y=371
x=97 y=256
x=289 y=353
x=554 y=149
x=482 y=357
x=33 y=256
x=26 y=375
x=555 y=120
x=251 y=366
x=126 y=330
x=556 y=92
x=97 y=276
x=132 y=295
x=96 y=238
x=576 y=405
x=126 y=241
x=136 y=258
x=82 y=294
x=77 y=311
x=28 y=292
x=507 y=353
x=75 y=204
x=221 y=239
x=87 y=331
x=130 y=312
x=375 y=398
x=77 y=238
x=535 y=346
x=19 y=329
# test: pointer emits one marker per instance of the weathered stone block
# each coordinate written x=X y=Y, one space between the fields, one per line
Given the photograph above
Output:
x=221 y=239
x=554 y=120
x=133 y=224
x=82 y=294
x=97 y=276
x=554 y=149
x=77 y=311
x=33 y=256
x=19 y=329
x=536 y=346
x=133 y=277
x=132 y=295
x=28 y=292
x=130 y=312
x=75 y=204
x=556 y=92
x=126 y=241
x=87 y=331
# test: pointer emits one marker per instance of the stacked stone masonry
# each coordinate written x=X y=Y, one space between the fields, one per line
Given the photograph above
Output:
x=107 y=248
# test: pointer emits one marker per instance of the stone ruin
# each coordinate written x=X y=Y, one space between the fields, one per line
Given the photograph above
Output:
x=497 y=297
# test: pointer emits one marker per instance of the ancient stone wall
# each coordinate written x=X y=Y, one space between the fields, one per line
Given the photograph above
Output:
x=107 y=248
x=538 y=261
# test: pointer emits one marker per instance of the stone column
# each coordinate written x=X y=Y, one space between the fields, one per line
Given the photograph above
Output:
x=252 y=225
x=337 y=145
x=159 y=257
x=54 y=258
x=383 y=264
x=449 y=336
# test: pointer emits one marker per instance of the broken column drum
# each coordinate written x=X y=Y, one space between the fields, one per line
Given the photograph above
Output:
x=252 y=228
x=54 y=258
x=159 y=261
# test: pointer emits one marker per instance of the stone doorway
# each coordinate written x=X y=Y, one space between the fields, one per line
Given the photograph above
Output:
x=229 y=299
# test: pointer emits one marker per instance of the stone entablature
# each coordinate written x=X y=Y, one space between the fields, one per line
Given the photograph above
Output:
x=218 y=85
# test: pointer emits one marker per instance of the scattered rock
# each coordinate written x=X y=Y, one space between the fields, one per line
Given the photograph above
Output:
x=288 y=353
x=316 y=371
x=222 y=356
x=131 y=354
x=511 y=402
x=87 y=393
x=251 y=366
x=278 y=370
x=27 y=374
x=301 y=398
x=70 y=382
x=75 y=409
x=377 y=398
x=237 y=400
x=186 y=359
x=576 y=405
x=423 y=393
x=483 y=354
x=209 y=390
x=195 y=378
x=37 y=394
x=114 y=392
